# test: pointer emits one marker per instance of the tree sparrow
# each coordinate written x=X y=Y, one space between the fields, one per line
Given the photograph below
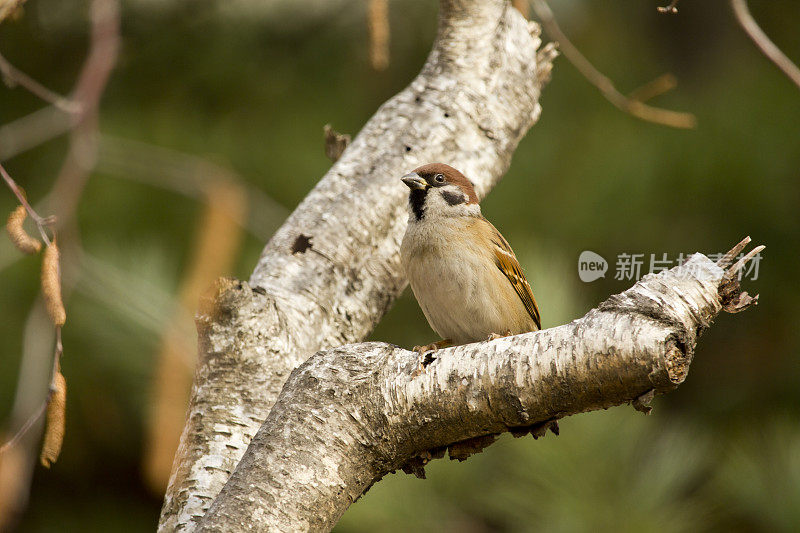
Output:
x=464 y=274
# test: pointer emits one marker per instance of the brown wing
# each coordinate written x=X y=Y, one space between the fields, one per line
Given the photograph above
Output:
x=507 y=263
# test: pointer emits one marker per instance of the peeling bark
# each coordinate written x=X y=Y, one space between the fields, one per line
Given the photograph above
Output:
x=350 y=415
x=331 y=272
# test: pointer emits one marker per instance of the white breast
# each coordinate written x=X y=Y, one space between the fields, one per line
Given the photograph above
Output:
x=452 y=285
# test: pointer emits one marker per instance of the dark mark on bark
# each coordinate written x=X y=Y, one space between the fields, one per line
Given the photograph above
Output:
x=301 y=244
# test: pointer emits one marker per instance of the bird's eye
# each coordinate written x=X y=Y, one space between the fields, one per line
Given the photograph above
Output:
x=438 y=178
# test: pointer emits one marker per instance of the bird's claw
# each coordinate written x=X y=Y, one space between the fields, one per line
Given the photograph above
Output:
x=426 y=348
x=432 y=347
x=493 y=336
x=425 y=357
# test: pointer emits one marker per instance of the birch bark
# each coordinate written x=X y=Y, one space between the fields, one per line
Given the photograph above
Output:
x=350 y=415
x=331 y=272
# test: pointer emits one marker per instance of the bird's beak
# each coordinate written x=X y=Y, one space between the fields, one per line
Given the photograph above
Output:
x=414 y=181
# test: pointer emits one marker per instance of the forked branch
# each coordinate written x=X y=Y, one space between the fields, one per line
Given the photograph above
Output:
x=332 y=270
x=350 y=415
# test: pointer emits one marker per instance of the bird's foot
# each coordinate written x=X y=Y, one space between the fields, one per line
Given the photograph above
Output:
x=426 y=354
x=432 y=347
x=493 y=336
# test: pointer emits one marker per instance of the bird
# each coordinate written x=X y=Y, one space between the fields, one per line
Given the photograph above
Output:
x=461 y=269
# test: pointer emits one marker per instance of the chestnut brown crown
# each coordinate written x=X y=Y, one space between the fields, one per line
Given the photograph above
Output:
x=451 y=176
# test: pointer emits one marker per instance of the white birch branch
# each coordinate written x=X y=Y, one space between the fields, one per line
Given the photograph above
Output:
x=350 y=415
x=330 y=273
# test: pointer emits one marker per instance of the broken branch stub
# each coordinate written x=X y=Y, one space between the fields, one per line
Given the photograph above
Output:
x=350 y=415
x=476 y=97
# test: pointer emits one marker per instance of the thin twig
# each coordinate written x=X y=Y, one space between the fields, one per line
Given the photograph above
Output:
x=44 y=124
x=80 y=160
x=25 y=427
x=187 y=174
x=33 y=129
x=13 y=76
x=40 y=221
x=763 y=42
x=657 y=87
x=82 y=154
x=636 y=108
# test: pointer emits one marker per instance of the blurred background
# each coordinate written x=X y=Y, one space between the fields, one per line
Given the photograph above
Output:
x=210 y=132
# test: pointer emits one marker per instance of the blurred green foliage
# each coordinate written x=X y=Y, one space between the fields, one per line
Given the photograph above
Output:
x=249 y=87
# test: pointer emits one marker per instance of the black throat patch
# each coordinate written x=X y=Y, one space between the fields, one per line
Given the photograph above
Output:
x=417 y=202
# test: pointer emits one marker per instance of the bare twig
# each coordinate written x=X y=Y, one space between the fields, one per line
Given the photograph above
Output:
x=44 y=124
x=41 y=222
x=13 y=76
x=82 y=154
x=24 y=428
x=32 y=392
x=33 y=129
x=636 y=108
x=104 y=43
x=657 y=87
x=190 y=175
x=763 y=42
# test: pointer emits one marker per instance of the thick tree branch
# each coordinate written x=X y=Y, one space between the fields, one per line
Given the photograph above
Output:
x=350 y=415
x=330 y=273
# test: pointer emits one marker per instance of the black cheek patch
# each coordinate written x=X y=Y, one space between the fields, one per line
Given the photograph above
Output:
x=453 y=198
